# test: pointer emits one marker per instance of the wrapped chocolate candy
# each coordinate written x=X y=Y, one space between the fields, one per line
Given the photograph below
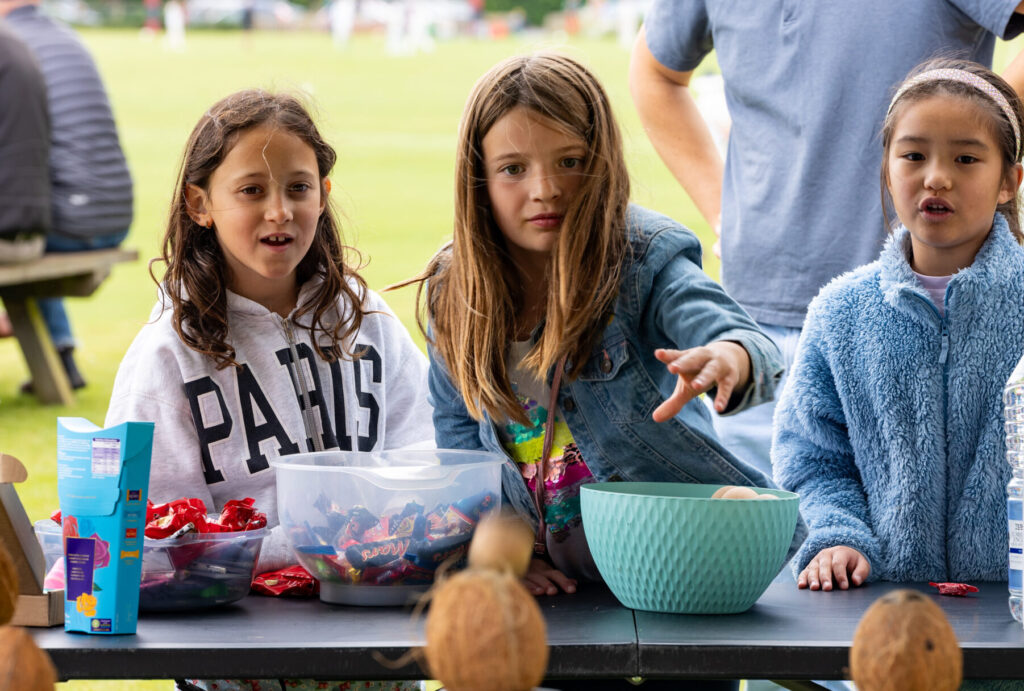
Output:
x=399 y=547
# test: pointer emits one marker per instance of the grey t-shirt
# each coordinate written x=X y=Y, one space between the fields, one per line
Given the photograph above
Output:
x=807 y=83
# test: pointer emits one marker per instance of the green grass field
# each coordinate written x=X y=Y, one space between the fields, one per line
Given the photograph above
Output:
x=393 y=121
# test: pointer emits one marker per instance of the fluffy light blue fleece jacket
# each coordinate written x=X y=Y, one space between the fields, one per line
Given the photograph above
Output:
x=891 y=425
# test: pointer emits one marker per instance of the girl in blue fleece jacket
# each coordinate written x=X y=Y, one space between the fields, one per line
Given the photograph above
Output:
x=890 y=427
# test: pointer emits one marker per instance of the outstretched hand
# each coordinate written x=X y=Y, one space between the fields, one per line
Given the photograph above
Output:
x=844 y=565
x=724 y=364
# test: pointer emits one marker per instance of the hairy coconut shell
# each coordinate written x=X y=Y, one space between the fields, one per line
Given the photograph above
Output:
x=23 y=666
x=485 y=633
x=905 y=643
x=8 y=586
x=502 y=543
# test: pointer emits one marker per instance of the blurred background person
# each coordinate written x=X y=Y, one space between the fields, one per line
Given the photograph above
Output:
x=24 y=157
x=174 y=25
x=91 y=188
x=342 y=15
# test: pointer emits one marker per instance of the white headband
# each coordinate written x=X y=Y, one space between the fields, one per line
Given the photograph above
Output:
x=970 y=79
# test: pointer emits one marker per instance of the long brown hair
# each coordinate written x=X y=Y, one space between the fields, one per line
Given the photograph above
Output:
x=196 y=277
x=475 y=291
x=1002 y=130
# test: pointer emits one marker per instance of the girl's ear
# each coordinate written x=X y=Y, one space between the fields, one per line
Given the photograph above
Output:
x=197 y=203
x=1011 y=183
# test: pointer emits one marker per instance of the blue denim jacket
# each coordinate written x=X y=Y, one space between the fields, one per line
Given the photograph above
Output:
x=666 y=301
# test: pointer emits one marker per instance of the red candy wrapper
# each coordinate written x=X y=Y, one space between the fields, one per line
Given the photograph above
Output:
x=164 y=520
x=957 y=589
x=240 y=514
x=292 y=581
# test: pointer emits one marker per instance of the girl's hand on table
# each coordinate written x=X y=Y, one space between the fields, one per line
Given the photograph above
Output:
x=724 y=364
x=544 y=579
x=845 y=564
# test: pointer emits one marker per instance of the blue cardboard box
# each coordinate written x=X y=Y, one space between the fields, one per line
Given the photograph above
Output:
x=102 y=483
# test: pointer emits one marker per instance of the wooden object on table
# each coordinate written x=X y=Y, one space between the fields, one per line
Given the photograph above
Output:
x=52 y=275
x=34 y=608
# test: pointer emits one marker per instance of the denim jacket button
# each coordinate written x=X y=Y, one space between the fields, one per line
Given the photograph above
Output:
x=568 y=405
x=606 y=365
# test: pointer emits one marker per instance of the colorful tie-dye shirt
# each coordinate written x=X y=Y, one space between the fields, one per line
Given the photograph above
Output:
x=567 y=471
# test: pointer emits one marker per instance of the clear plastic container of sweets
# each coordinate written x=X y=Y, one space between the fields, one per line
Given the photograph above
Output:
x=1013 y=400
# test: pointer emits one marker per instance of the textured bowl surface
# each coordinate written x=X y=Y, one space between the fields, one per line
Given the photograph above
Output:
x=669 y=547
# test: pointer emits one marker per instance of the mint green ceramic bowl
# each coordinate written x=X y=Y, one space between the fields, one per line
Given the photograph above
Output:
x=670 y=547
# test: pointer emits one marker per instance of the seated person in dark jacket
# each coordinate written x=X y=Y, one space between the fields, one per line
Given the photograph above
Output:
x=91 y=198
x=24 y=153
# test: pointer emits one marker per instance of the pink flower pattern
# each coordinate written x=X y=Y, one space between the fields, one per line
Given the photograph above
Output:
x=101 y=558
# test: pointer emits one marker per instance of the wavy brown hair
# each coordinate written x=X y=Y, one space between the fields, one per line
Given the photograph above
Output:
x=196 y=276
x=475 y=290
x=1001 y=128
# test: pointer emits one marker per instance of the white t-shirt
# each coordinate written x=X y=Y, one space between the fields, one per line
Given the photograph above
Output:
x=935 y=286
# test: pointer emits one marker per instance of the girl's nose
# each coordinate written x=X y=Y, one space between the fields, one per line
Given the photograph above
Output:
x=278 y=209
x=938 y=178
x=546 y=186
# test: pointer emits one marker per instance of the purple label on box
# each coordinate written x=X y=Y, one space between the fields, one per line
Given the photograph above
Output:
x=79 y=556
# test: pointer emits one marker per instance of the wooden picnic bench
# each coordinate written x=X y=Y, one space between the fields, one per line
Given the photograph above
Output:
x=52 y=275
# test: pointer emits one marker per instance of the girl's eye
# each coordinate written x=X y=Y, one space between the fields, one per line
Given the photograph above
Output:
x=572 y=162
x=514 y=169
x=913 y=156
x=966 y=158
x=250 y=189
x=301 y=187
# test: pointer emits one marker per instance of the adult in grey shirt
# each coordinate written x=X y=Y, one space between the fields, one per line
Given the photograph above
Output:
x=807 y=83
x=91 y=199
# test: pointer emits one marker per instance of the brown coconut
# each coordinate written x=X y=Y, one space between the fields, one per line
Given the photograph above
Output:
x=8 y=586
x=23 y=666
x=905 y=643
x=485 y=631
x=502 y=542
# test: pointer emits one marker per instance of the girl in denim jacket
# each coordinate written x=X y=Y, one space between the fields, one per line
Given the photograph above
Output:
x=890 y=427
x=569 y=330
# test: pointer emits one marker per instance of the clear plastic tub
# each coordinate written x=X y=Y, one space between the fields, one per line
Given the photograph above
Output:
x=372 y=527
x=193 y=571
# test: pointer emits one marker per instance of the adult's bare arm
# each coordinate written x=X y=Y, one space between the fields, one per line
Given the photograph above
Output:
x=676 y=128
x=1014 y=72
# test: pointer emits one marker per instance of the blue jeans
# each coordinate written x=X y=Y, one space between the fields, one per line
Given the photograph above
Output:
x=749 y=434
x=52 y=309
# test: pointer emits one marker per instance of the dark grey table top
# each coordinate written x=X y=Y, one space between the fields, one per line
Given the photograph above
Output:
x=590 y=635
x=788 y=634
x=800 y=634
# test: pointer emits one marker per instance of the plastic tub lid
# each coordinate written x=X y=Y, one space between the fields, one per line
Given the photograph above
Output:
x=396 y=468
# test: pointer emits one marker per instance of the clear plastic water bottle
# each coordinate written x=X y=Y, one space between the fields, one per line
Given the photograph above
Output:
x=1013 y=400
